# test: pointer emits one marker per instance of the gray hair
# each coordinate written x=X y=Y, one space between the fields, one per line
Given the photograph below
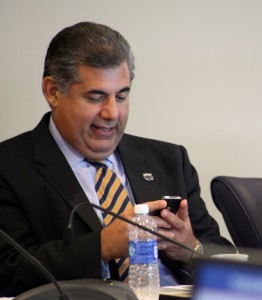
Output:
x=85 y=43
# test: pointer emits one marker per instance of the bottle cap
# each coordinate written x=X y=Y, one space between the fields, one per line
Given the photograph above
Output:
x=141 y=209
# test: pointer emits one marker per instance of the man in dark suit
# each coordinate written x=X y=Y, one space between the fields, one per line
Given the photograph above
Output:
x=46 y=172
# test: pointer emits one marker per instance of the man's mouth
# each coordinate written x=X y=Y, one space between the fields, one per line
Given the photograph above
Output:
x=103 y=129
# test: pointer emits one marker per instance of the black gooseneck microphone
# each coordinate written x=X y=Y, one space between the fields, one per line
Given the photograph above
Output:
x=36 y=263
x=70 y=233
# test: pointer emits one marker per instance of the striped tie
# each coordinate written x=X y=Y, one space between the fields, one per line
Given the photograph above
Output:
x=113 y=196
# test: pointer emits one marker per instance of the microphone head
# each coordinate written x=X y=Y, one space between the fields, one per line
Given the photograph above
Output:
x=83 y=289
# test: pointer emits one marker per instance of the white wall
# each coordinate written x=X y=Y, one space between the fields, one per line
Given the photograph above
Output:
x=198 y=75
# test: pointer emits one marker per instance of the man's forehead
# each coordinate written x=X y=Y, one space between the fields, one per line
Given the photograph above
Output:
x=103 y=79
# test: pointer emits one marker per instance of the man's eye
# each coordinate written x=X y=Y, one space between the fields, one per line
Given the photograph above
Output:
x=96 y=98
x=121 y=97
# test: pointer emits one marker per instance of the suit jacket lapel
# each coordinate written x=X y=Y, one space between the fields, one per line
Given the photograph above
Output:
x=53 y=166
x=142 y=178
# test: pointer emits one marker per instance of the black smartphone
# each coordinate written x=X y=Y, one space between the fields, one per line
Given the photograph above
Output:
x=173 y=203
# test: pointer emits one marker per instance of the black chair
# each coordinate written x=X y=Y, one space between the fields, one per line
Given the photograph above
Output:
x=240 y=202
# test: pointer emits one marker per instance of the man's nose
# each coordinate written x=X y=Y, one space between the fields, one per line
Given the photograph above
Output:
x=110 y=109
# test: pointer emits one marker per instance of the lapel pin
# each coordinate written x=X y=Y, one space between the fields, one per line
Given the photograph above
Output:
x=148 y=176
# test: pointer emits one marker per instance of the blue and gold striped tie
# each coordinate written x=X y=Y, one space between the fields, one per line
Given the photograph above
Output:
x=113 y=196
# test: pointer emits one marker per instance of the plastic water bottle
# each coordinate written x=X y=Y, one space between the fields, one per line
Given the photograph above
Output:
x=143 y=256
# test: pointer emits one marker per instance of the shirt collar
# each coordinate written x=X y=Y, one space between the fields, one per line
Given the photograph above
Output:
x=73 y=156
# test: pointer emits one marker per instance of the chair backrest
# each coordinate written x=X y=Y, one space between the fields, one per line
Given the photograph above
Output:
x=240 y=202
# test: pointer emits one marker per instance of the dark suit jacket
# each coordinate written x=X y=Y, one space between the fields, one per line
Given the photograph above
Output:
x=38 y=191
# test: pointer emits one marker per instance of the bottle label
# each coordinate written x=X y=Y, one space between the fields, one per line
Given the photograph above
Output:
x=143 y=252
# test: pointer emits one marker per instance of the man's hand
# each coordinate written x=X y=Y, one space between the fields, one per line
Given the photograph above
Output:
x=177 y=227
x=114 y=237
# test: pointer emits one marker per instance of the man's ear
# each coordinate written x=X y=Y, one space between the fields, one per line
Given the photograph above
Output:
x=50 y=91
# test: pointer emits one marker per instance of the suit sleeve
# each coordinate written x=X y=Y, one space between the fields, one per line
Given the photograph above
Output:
x=205 y=227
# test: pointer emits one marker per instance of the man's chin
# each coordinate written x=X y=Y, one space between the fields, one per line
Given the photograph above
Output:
x=100 y=153
x=99 y=150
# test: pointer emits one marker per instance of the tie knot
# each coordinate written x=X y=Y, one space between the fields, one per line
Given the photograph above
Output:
x=98 y=164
